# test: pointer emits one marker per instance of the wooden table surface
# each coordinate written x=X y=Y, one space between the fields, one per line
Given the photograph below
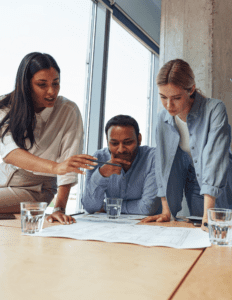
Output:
x=60 y=268
x=210 y=278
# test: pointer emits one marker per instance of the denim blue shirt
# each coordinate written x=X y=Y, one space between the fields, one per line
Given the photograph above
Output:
x=209 y=141
x=137 y=187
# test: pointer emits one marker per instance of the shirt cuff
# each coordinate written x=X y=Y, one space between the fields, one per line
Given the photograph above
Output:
x=98 y=180
x=69 y=178
x=210 y=190
x=161 y=193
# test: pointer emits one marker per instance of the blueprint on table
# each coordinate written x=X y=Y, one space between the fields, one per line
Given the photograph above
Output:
x=146 y=235
x=102 y=217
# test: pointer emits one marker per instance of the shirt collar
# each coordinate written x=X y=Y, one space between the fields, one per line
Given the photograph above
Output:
x=45 y=114
x=168 y=118
x=136 y=158
x=195 y=107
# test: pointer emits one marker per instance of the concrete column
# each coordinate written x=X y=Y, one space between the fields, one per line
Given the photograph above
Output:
x=200 y=32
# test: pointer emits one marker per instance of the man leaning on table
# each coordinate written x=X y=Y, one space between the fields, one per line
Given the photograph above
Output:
x=134 y=181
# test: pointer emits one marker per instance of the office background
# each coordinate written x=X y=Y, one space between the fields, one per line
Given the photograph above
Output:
x=109 y=52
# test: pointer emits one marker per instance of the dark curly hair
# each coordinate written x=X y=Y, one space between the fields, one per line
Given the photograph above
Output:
x=122 y=120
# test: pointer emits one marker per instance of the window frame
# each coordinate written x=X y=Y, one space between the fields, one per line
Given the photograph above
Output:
x=96 y=80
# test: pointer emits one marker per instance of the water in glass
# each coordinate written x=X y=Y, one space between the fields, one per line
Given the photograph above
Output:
x=219 y=232
x=220 y=226
x=113 y=211
x=32 y=220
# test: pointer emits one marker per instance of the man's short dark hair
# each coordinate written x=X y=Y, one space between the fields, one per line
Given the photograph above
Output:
x=122 y=120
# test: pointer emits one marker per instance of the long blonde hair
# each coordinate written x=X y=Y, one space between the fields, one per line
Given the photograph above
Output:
x=179 y=73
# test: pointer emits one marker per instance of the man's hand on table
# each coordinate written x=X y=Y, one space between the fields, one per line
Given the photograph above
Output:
x=60 y=217
x=157 y=218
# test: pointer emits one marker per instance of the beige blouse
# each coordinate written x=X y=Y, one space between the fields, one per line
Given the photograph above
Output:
x=58 y=135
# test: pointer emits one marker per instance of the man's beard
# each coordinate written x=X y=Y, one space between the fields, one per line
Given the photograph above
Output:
x=127 y=155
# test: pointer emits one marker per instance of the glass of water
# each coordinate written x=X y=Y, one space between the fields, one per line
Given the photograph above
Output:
x=220 y=226
x=32 y=216
x=113 y=207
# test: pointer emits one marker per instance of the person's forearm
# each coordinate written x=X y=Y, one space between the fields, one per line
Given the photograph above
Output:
x=61 y=201
x=94 y=193
x=165 y=207
x=141 y=206
x=25 y=160
x=93 y=202
x=62 y=195
x=209 y=202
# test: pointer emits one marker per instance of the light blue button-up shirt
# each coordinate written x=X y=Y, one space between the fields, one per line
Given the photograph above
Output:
x=137 y=187
x=209 y=141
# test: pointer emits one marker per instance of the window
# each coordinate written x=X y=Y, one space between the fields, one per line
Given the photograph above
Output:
x=128 y=78
x=61 y=28
x=56 y=27
x=121 y=79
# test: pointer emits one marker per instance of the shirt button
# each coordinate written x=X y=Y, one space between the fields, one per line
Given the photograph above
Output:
x=195 y=161
x=190 y=134
x=192 y=147
x=197 y=175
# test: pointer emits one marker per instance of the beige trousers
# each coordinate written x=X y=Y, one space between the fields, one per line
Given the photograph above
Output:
x=23 y=186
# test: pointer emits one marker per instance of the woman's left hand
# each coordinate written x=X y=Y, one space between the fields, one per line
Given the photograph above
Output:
x=204 y=227
x=209 y=202
x=60 y=217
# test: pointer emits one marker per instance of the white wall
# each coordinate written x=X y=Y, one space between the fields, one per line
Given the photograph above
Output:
x=200 y=32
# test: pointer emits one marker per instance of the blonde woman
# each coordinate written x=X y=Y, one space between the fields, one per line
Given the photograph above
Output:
x=193 y=146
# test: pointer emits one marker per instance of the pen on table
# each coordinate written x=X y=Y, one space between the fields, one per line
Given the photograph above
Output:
x=197 y=224
x=77 y=214
x=104 y=162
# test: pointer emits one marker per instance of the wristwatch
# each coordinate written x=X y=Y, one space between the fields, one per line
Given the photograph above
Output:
x=59 y=209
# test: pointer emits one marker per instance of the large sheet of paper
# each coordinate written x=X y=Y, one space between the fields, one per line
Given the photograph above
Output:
x=146 y=235
x=121 y=217
x=102 y=217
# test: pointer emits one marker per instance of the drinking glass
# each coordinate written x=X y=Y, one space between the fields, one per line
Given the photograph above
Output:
x=220 y=224
x=113 y=207
x=32 y=216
